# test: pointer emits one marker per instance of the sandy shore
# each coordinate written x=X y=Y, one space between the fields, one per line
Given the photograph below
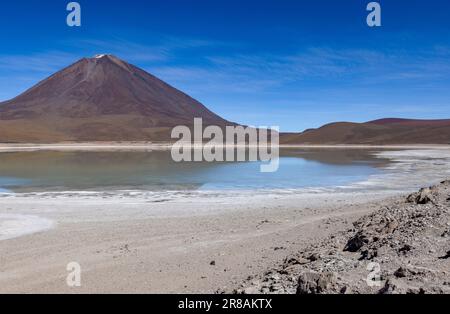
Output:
x=145 y=146
x=129 y=245
x=189 y=243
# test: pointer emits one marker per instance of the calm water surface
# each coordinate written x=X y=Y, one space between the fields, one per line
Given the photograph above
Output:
x=108 y=171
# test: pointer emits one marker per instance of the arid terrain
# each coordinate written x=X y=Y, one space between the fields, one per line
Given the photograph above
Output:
x=404 y=244
x=197 y=242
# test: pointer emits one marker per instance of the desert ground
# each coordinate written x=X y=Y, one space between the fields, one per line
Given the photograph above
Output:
x=189 y=242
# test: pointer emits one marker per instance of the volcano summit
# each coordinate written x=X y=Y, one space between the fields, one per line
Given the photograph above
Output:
x=99 y=99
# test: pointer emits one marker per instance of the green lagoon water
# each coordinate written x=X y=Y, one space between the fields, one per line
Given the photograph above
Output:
x=50 y=171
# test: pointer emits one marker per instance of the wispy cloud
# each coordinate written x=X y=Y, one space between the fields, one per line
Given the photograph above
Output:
x=130 y=50
x=164 y=49
x=322 y=66
x=25 y=70
x=20 y=72
x=39 y=62
x=221 y=72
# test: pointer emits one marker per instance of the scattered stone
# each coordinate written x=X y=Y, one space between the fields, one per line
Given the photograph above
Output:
x=404 y=249
x=390 y=227
x=356 y=243
x=400 y=273
x=414 y=290
x=398 y=236
x=446 y=256
x=296 y=261
x=393 y=286
x=315 y=283
x=368 y=254
x=263 y=222
x=314 y=257
x=213 y=263
x=423 y=197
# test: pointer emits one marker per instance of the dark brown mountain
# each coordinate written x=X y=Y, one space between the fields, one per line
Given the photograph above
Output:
x=99 y=99
x=380 y=132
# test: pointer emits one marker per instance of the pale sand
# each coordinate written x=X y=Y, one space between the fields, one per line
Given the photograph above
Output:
x=129 y=245
x=143 y=243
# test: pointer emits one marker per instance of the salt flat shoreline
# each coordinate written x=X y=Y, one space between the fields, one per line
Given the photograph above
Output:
x=130 y=245
x=114 y=146
x=134 y=243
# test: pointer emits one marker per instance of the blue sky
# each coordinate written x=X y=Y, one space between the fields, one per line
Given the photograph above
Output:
x=293 y=63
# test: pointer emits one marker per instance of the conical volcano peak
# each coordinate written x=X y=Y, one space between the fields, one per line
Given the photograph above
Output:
x=105 y=56
x=109 y=58
x=101 y=98
x=99 y=56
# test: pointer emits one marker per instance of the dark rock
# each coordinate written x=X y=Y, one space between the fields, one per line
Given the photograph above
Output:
x=393 y=286
x=368 y=254
x=315 y=283
x=424 y=196
x=296 y=261
x=356 y=243
x=405 y=248
x=400 y=273
x=412 y=198
x=415 y=291
x=213 y=263
x=313 y=257
x=446 y=256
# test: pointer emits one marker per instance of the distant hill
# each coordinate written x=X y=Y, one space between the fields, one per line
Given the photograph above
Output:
x=107 y=99
x=99 y=99
x=379 y=132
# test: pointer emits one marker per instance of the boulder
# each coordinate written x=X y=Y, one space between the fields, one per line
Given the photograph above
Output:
x=397 y=286
x=445 y=256
x=356 y=243
x=314 y=257
x=401 y=273
x=315 y=283
x=393 y=286
x=424 y=196
x=405 y=248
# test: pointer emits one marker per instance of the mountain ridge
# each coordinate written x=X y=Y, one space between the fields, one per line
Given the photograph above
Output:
x=387 y=131
x=105 y=99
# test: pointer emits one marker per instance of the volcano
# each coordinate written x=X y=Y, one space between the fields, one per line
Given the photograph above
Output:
x=100 y=99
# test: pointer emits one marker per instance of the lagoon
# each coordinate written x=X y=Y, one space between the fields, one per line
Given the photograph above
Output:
x=53 y=171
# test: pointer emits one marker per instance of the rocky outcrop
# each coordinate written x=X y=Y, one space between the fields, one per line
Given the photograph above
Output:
x=401 y=248
x=315 y=283
x=424 y=196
